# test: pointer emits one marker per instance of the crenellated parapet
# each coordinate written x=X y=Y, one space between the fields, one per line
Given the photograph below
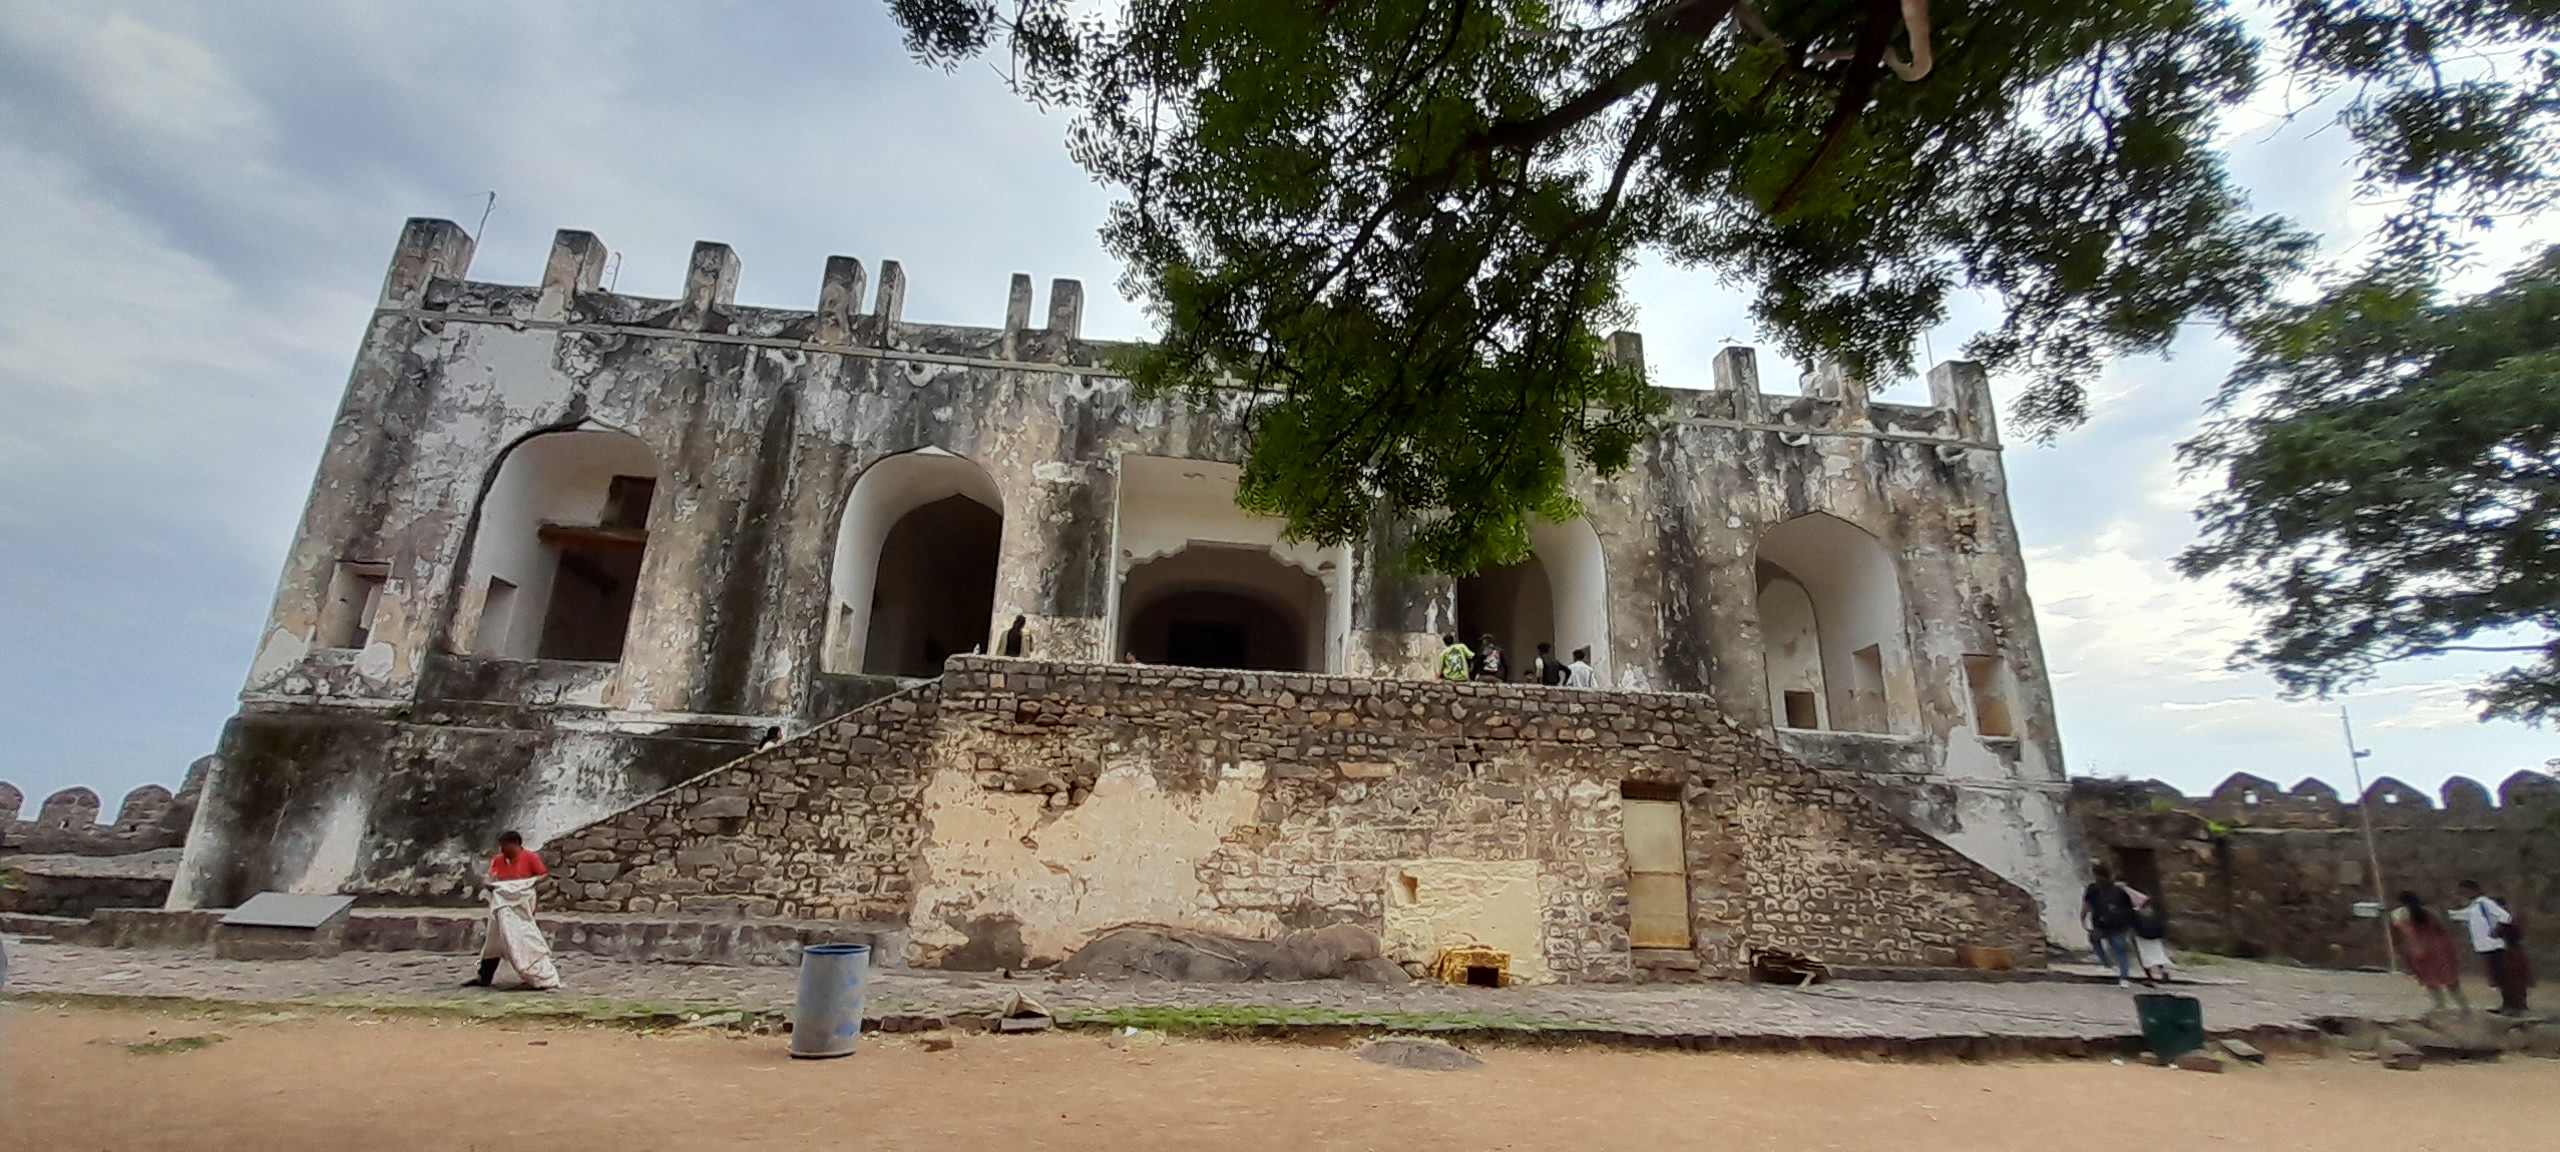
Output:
x=2256 y=869
x=430 y=280
x=1829 y=403
x=2525 y=799
x=67 y=821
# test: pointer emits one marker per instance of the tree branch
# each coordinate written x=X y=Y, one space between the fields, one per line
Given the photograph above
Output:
x=1854 y=94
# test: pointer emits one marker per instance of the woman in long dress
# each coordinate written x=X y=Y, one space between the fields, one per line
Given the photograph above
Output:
x=2426 y=947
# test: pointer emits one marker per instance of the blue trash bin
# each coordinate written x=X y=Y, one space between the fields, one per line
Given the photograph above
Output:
x=827 y=1018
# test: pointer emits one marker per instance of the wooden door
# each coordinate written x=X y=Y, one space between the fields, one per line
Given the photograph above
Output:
x=1657 y=874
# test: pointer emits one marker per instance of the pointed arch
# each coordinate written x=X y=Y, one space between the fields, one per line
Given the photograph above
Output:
x=914 y=574
x=556 y=548
x=1859 y=631
x=1557 y=595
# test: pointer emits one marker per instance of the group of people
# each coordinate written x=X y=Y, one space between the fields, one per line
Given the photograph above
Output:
x=1487 y=661
x=2493 y=932
x=2126 y=926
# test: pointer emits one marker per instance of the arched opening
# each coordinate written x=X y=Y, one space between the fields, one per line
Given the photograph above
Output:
x=1832 y=629
x=1223 y=606
x=914 y=578
x=1204 y=583
x=555 y=555
x=1557 y=596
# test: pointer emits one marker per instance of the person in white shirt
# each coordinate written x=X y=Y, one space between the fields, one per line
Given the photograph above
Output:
x=2490 y=926
x=1579 y=674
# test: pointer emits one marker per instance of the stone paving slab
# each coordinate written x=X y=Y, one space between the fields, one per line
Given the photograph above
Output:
x=2250 y=999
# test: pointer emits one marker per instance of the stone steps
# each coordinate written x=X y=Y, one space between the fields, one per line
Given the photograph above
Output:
x=668 y=939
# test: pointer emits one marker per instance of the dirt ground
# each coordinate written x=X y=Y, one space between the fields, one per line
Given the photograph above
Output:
x=80 y=1078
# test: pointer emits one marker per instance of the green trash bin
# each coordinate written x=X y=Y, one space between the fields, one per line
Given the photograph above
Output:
x=2172 y=1026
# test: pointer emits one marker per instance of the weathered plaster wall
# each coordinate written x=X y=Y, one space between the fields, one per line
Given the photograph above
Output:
x=2255 y=870
x=340 y=769
x=1036 y=804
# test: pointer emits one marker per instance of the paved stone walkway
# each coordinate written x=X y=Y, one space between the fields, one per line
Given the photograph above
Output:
x=2238 y=997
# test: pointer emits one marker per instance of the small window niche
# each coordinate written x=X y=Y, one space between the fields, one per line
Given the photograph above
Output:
x=496 y=632
x=355 y=599
x=626 y=502
x=1802 y=710
x=1987 y=677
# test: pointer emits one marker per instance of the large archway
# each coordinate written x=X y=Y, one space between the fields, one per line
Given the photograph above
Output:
x=1186 y=553
x=1557 y=595
x=1834 y=639
x=914 y=577
x=556 y=549
x=1223 y=606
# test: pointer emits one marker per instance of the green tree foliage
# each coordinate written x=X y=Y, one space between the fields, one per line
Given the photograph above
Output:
x=1390 y=234
x=2392 y=474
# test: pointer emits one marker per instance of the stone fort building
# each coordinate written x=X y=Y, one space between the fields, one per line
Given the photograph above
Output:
x=688 y=592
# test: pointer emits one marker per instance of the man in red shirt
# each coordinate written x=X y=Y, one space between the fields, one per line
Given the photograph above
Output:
x=514 y=861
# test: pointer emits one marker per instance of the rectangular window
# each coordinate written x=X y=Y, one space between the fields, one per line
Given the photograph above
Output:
x=1988 y=679
x=1802 y=712
x=355 y=598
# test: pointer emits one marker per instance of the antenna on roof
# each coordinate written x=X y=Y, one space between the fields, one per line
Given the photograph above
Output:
x=485 y=210
x=612 y=270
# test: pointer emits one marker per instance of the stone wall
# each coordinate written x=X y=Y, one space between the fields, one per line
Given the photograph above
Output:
x=1014 y=809
x=824 y=827
x=67 y=822
x=2255 y=869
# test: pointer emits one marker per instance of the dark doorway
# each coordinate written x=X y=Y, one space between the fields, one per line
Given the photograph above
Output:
x=1218 y=606
x=1516 y=605
x=1207 y=644
x=2139 y=867
x=935 y=590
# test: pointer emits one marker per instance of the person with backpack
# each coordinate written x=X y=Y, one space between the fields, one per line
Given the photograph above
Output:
x=2106 y=910
x=1491 y=664
x=2491 y=927
x=2151 y=942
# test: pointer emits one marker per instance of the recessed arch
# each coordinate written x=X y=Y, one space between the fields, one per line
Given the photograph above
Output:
x=914 y=574
x=1557 y=595
x=1178 y=531
x=557 y=545
x=1854 y=648
x=1213 y=605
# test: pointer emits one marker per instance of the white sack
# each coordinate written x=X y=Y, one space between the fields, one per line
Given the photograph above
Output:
x=514 y=937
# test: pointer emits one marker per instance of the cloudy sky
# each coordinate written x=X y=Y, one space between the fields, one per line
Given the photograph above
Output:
x=196 y=203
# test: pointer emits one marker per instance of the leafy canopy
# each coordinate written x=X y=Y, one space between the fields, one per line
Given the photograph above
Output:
x=1392 y=232
x=2393 y=485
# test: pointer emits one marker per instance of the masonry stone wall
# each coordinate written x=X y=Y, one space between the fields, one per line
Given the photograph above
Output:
x=1012 y=810
x=67 y=823
x=2255 y=869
